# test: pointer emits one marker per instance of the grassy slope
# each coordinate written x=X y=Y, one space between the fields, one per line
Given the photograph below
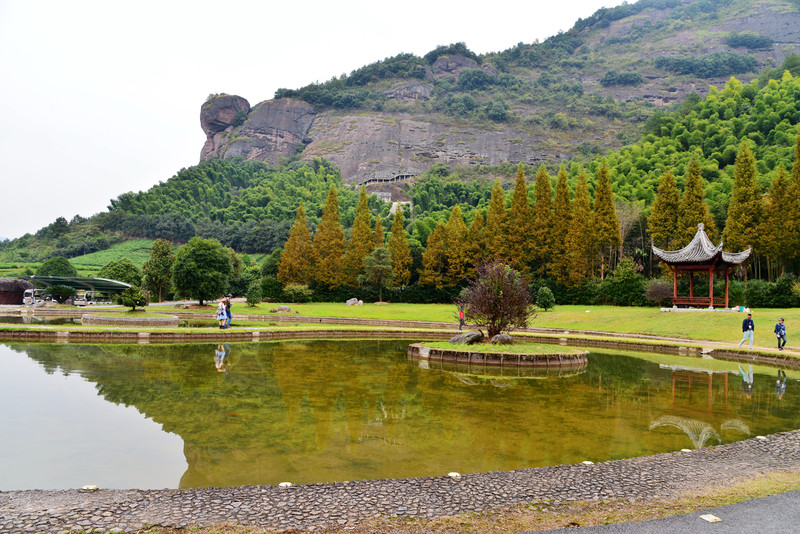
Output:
x=136 y=250
x=701 y=325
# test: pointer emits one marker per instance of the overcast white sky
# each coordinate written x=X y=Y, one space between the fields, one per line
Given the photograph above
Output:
x=102 y=97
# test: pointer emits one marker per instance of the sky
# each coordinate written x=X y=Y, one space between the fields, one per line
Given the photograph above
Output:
x=99 y=98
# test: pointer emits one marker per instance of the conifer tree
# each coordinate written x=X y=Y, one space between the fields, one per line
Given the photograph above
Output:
x=297 y=258
x=477 y=238
x=329 y=245
x=775 y=233
x=580 y=240
x=434 y=259
x=562 y=219
x=519 y=225
x=495 y=225
x=606 y=224
x=542 y=228
x=793 y=208
x=744 y=210
x=360 y=244
x=692 y=209
x=399 y=250
x=663 y=219
x=458 y=252
x=377 y=234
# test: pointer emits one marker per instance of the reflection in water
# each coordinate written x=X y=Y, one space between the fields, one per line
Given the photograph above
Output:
x=311 y=411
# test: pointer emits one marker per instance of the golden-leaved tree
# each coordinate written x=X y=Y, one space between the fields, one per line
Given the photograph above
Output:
x=605 y=222
x=399 y=250
x=360 y=244
x=519 y=225
x=298 y=253
x=542 y=228
x=560 y=263
x=495 y=225
x=580 y=238
x=329 y=245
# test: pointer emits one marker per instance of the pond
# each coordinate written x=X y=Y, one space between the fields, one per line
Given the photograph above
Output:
x=195 y=415
x=33 y=319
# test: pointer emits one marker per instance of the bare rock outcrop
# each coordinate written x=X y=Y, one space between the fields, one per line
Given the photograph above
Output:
x=272 y=129
x=217 y=117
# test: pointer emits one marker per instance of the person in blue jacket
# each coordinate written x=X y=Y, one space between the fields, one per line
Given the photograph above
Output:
x=748 y=329
x=780 y=331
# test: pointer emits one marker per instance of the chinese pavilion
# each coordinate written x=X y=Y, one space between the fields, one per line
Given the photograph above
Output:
x=700 y=256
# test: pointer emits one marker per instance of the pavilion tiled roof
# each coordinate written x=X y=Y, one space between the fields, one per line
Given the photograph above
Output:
x=701 y=251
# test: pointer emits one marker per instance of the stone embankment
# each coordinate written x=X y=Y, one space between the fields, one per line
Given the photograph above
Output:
x=346 y=503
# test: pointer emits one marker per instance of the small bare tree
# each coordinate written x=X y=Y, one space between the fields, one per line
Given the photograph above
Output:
x=497 y=298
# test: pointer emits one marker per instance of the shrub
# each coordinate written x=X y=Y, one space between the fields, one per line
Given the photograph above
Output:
x=545 y=298
x=271 y=289
x=626 y=286
x=497 y=298
x=658 y=291
x=254 y=294
x=132 y=298
x=297 y=293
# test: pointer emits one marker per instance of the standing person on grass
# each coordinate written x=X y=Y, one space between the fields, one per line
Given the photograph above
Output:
x=222 y=315
x=780 y=331
x=230 y=315
x=748 y=330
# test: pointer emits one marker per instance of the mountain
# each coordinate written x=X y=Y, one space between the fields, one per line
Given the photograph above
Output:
x=579 y=93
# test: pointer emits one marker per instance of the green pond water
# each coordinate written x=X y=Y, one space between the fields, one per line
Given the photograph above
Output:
x=169 y=416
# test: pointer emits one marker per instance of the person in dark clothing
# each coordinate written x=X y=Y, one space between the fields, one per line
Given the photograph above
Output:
x=230 y=315
x=780 y=331
x=748 y=329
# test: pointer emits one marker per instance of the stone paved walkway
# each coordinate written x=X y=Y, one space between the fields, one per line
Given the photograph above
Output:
x=304 y=506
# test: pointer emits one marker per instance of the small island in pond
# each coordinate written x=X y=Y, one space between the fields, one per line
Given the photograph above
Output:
x=513 y=355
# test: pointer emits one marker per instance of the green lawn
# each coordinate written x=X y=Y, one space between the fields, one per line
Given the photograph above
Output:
x=716 y=326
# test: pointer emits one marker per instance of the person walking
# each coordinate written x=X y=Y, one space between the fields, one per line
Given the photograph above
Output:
x=748 y=329
x=222 y=316
x=460 y=318
x=780 y=331
x=229 y=315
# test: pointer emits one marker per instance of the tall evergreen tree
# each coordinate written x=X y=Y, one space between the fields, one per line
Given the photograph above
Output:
x=329 y=245
x=793 y=208
x=692 y=209
x=477 y=238
x=360 y=244
x=776 y=239
x=606 y=224
x=744 y=210
x=519 y=225
x=399 y=250
x=495 y=227
x=458 y=251
x=542 y=228
x=562 y=219
x=580 y=238
x=298 y=253
x=434 y=259
x=663 y=219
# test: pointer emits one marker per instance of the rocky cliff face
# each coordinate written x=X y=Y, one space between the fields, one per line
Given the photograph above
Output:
x=363 y=146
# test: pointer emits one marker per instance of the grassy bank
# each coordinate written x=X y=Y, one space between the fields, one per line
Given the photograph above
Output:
x=716 y=326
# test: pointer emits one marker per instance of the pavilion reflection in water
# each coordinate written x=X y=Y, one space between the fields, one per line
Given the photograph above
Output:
x=686 y=419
